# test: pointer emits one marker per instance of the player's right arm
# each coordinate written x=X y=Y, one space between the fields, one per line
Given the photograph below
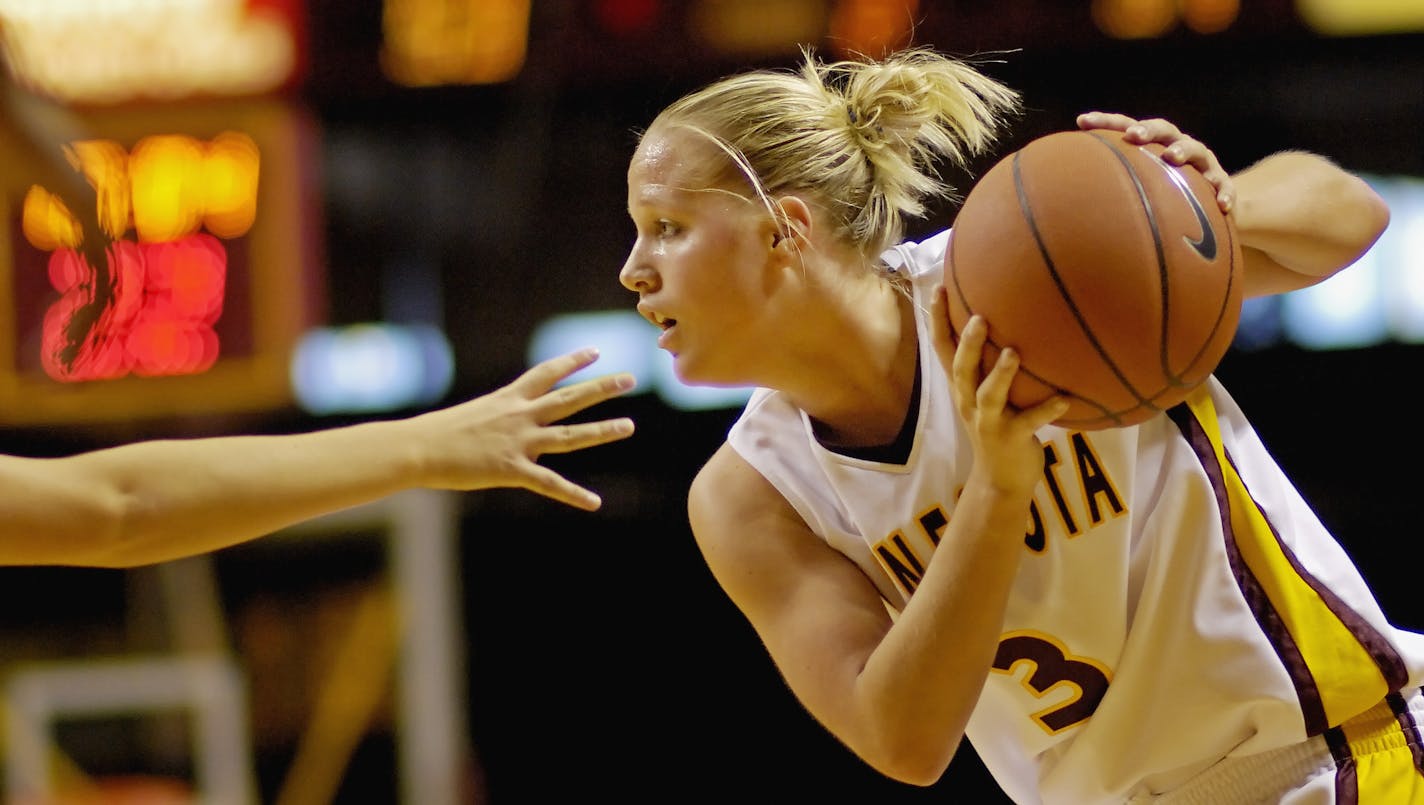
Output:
x=898 y=692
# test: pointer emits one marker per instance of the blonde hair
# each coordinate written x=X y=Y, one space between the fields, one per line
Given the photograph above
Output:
x=862 y=138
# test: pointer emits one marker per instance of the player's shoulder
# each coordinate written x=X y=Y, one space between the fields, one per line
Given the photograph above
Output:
x=727 y=493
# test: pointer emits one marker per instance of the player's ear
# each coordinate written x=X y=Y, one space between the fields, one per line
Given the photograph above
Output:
x=793 y=225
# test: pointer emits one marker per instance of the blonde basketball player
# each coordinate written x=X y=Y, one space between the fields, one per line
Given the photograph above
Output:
x=1138 y=614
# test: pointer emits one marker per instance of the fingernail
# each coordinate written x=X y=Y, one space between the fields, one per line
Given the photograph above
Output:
x=625 y=382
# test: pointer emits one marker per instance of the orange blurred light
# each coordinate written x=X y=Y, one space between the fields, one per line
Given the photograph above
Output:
x=872 y=27
x=1210 y=16
x=47 y=223
x=434 y=42
x=105 y=164
x=1135 y=19
x=758 y=27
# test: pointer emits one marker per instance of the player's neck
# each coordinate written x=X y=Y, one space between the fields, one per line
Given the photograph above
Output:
x=860 y=394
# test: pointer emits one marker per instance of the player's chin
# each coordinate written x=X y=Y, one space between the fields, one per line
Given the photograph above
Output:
x=690 y=371
x=684 y=368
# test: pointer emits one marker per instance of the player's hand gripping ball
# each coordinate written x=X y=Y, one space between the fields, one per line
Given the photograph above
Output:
x=1114 y=274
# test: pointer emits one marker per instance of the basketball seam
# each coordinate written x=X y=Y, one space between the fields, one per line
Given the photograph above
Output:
x=1163 y=284
x=1063 y=292
x=1180 y=379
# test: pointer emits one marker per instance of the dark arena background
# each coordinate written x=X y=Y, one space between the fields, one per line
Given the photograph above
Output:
x=439 y=188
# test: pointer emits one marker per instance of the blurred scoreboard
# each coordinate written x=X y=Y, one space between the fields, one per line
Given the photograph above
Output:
x=176 y=113
x=216 y=272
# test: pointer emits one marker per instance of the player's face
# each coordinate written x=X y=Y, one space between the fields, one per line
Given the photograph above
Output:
x=700 y=261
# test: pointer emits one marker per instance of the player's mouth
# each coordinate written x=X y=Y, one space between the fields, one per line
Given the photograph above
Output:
x=667 y=326
x=660 y=321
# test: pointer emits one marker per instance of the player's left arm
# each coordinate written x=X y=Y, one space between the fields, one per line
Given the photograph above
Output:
x=1300 y=217
x=153 y=501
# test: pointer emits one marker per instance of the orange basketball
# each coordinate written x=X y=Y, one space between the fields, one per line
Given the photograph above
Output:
x=1114 y=275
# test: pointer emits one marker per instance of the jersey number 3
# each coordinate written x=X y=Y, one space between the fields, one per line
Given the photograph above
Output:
x=1051 y=668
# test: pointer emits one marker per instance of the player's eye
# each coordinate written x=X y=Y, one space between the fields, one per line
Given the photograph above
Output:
x=666 y=228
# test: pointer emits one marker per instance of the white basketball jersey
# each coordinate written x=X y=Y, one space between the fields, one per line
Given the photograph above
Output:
x=1179 y=601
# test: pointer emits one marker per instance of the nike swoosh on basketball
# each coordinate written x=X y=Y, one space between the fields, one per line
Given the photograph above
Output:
x=1206 y=245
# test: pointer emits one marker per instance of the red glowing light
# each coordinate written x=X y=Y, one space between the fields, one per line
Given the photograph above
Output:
x=627 y=17
x=167 y=296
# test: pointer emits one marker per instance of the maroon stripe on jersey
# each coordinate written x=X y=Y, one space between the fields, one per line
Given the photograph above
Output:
x=1400 y=707
x=1385 y=656
x=1347 y=782
x=1311 y=705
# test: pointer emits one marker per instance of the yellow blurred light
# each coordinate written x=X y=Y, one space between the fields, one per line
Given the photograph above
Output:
x=433 y=42
x=230 y=171
x=1356 y=17
x=168 y=187
x=1134 y=19
x=166 y=175
x=759 y=27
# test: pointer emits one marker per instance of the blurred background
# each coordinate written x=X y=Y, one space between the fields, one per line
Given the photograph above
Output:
x=360 y=209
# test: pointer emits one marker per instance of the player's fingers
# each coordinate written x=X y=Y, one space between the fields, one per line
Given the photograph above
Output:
x=544 y=481
x=1154 y=130
x=1044 y=413
x=1105 y=120
x=568 y=438
x=1226 y=193
x=568 y=400
x=1222 y=182
x=1193 y=152
x=542 y=376
x=993 y=394
x=967 y=356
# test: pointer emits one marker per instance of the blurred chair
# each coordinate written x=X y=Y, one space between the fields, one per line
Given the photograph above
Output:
x=412 y=619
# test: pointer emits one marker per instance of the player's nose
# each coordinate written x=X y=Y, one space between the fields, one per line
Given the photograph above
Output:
x=636 y=275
